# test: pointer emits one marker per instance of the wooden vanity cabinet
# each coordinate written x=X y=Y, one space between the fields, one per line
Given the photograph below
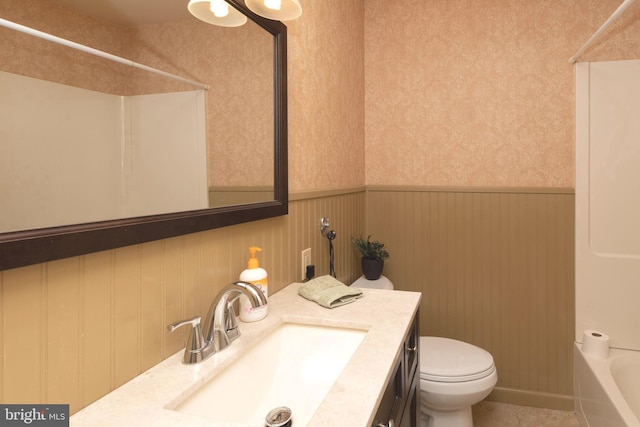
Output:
x=399 y=405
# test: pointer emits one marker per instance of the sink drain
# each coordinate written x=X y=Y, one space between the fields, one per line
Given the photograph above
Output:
x=279 y=417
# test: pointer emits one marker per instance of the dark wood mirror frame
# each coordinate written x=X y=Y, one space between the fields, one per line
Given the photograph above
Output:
x=22 y=248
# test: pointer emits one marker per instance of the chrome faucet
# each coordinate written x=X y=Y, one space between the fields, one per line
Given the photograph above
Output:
x=220 y=325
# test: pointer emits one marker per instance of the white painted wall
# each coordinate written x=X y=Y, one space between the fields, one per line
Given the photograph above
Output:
x=608 y=201
x=70 y=155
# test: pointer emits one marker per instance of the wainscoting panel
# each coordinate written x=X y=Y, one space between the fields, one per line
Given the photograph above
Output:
x=72 y=330
x=496 y=269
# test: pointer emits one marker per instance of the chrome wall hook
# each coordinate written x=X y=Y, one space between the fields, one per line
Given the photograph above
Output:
x=324 y=224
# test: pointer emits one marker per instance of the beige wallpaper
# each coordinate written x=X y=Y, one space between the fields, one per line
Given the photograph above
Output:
x=325 y=71
x=457 y=92
x=27 y=55
x=326 y=92
x=191 y=49
x=238 y=65
x=480 y=93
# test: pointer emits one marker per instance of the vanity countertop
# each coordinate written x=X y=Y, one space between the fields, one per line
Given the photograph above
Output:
x=352 y=401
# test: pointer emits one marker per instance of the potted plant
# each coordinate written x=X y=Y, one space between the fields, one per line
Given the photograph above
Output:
x=373 y=255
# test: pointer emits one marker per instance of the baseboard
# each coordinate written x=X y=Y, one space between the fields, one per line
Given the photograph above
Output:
x=532 y=398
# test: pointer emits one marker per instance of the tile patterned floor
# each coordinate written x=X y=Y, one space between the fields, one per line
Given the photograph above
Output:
x=492 y=414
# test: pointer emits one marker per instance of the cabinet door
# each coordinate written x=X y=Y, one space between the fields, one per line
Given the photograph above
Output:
x=399 y=404
x=392 y=401
x=412 y=375
x=412 y=350
x=410 y=416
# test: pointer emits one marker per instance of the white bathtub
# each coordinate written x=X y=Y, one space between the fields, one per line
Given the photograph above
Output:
x=607 y=391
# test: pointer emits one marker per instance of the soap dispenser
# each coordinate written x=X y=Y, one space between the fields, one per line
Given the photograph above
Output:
x=257 y=276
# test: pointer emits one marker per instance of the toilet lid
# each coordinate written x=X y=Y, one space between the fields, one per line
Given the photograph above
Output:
x=448 y=360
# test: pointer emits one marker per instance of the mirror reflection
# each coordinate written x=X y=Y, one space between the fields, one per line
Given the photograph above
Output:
x=87 y=139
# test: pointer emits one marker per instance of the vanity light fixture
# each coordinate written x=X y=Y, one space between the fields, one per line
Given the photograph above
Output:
x=278 y=10
x=216 y=12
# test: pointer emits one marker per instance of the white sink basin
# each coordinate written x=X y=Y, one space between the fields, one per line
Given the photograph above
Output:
x=294 y=366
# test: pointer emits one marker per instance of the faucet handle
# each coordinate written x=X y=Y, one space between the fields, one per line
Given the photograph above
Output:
x=193 y=322
x=195 y=341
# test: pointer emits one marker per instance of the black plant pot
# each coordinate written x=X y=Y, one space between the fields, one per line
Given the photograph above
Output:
x=372 y=268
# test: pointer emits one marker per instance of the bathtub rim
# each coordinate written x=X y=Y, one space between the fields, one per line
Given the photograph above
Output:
x=601 y=370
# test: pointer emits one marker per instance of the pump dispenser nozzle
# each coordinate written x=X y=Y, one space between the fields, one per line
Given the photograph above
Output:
x=253 y=261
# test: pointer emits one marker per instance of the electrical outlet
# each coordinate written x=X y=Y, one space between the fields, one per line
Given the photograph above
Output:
x=304 y=261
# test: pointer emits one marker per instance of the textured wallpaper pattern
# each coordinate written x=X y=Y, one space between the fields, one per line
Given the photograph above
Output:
x=237 y=63
x=30 y=56
x=326 y=95
x=480 y=93
x=220 y=57
x=452 y=93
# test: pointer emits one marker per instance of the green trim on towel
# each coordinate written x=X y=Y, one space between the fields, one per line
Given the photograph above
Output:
x=328 y=292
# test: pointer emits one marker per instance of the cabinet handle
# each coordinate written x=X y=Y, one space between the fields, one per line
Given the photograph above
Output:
x=390 y=423
x=412 y=349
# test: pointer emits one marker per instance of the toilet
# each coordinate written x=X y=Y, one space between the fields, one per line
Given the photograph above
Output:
x=454 y=375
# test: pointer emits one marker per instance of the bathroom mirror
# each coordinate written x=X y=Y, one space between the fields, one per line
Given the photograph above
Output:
x=37 y=244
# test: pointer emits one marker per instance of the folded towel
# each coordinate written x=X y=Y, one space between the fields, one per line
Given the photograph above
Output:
x=329 y=292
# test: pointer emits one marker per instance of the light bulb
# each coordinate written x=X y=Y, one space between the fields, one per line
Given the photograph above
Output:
x=219 y=8
x=273 y=4
x=278 y=10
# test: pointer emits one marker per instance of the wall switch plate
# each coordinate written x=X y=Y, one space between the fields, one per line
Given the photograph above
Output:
x=305 y=260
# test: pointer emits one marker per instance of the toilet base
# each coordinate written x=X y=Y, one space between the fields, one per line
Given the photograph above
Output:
x=458 y=418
